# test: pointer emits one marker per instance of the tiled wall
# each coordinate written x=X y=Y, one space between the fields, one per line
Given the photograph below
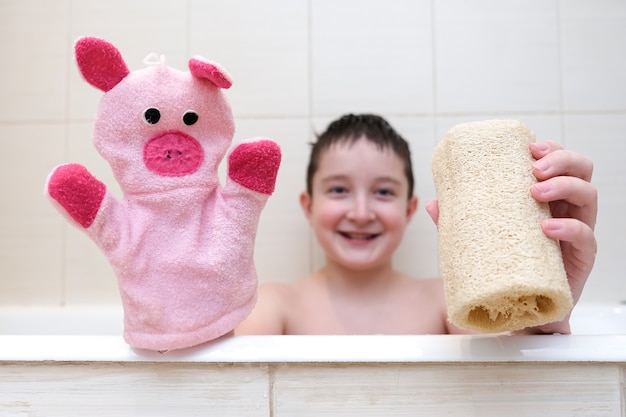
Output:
x=560 y=66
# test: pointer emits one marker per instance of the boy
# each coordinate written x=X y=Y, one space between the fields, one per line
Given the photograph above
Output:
x=359 y=200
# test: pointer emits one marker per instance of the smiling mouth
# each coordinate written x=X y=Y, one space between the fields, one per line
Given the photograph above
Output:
x=359 y=236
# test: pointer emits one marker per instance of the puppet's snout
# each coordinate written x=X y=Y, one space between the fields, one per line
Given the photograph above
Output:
x=173 y=154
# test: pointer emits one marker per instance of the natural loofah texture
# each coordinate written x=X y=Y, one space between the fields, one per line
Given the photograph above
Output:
x=501 y=272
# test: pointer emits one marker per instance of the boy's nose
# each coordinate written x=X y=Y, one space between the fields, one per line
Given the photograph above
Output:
x=361 y=210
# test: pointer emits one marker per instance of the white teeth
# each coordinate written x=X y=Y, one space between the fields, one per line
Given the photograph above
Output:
x=359 y=235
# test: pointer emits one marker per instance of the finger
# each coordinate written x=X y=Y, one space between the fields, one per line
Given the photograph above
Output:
x=579 y=234
x=579 y=248
x=432 y=208
x=573 y=190
x=569 y=197
x=541 y=149
x=561 y=162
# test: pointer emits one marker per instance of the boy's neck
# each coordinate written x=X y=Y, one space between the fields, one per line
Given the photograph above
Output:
x=350 y=281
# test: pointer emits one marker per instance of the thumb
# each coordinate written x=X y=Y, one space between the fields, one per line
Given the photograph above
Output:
x=432 y=208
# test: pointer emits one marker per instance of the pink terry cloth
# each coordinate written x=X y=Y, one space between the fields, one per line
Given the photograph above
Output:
x=180 y=243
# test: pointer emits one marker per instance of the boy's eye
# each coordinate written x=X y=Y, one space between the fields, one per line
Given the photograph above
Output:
x=337 y=190
x=385 y=192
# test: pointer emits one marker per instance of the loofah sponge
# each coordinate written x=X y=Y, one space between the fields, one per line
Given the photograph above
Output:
x=501 y=272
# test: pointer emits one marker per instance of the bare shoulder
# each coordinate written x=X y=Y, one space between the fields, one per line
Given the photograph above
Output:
x=284 y=295
x=434 y=288
x=276 y=291
x=268 y=315
x=430 y=286
x=428 y=297
x=275 y=303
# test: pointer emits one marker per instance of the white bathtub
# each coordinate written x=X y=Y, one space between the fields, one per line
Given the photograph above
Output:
x=73 y=362
x=599 y=319
x=75 y=320
x=586 y=319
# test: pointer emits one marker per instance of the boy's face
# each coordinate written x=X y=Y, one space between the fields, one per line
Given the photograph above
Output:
x=359 y=208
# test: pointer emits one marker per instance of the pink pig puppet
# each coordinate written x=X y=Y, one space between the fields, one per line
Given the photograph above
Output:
x=181 y=245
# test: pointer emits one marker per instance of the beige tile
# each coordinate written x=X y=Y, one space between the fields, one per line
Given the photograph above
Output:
x=88 y=277
x=263 y=46
x=496 y=57
x=33 y=76
x=80 y=149
x=317 y=256
x=371 y=57
x=136 y=28
x=592 y=37
x=282 y=247
x=417 y=255
x=292 y=60
x=31 y=233
x=600 y=137
x=545 y=126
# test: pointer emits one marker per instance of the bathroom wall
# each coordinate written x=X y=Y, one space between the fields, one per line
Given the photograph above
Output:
x=296 y=64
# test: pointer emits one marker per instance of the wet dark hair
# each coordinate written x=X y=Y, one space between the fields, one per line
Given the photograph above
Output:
x=350 y=128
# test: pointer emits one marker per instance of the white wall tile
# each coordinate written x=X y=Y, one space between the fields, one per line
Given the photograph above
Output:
x=282 y=249
x=31 y=244
x=545 y=126
x=137 y=28
x=88 y=276
x=593 y=36
x=80 y=149
x=33 y=75
x=317 y=256
x=263 y=46
x=494 y=56
x=601 y=137
x=417 y=254
x=371 y=57
x=557 y=65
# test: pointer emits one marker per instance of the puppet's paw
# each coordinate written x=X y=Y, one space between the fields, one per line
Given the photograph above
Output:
x=254 y=165
x=77 y=191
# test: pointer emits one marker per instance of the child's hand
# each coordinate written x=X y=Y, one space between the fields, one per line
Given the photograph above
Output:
x=564 y=182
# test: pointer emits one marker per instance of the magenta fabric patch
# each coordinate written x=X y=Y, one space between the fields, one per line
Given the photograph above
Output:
x=210 y=71
x=100 y=63
x=77 y=191
x=255 y=165
x=173 y=154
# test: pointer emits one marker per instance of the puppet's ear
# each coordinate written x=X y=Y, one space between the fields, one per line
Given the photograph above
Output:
x=201 y=68
x=100 y=63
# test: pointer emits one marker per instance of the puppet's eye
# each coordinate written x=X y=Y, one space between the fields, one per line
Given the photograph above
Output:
x=190 y=117
x=152 y=115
